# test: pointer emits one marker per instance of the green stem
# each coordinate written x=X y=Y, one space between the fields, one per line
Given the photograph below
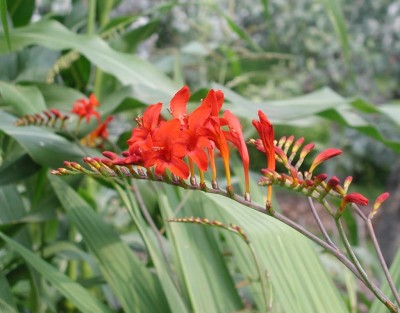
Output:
x=378 y=293
x=91 y=18
x=264 y=288
x=382 y=261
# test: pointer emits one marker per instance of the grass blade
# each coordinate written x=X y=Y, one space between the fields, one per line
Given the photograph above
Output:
x=4 y=22
x=74 y=292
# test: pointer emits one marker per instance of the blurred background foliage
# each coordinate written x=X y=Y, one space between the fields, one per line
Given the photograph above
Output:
x=325 y=70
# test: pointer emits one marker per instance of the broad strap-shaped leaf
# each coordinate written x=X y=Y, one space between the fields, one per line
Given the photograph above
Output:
x=23 y=99
x=299 y=282
x=199 y=260
x=43 y=146
x=74 y=292
x=323 y=103
x=13 y=170
x=129 y=69
x=172 y=292
x=132 y=283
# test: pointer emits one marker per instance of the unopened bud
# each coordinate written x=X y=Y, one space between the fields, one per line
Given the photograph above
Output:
x=378 y=202
x=288 y=143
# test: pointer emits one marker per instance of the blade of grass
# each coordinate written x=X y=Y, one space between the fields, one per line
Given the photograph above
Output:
x=74 y=292
x=132 y=283
x=4 y=22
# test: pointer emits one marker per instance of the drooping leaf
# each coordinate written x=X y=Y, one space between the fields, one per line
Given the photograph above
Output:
x=23 y=99
x=43 y=146
x=129 y=69
x=324 y=103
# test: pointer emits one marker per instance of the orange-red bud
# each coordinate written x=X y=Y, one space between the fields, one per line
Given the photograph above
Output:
x=323 y=156
x=378 y=202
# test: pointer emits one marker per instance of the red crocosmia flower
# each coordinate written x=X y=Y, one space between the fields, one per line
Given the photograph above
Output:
x=178 y=104
x=266 y=132
x=235 y=135
x=195 y=141
x=323 y=156
x=85 y=108
x=99 y=133
x=147 y=124
x=214 y=100
x=165 y=149
x=213 y=131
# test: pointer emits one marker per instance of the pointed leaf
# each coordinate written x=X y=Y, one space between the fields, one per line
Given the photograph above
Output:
x=74 y=292
x=133 y=284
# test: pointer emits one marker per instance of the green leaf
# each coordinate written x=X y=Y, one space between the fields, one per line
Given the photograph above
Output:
x=241 y=33
x=7 y=301
x=392 y=111
x=335 y=14
x=129 y=41
x=15 y=169
x=4 y=22
x=44 y=147
x=176 y=303
x=324 y=103
x=134 y=286
x=379 y=307
x=12 y=208
x=129 y=69
x=74 y=292
x=21 y=11
x=23 y=99
x=60 y=97
x=299 y=282
x=200 y=261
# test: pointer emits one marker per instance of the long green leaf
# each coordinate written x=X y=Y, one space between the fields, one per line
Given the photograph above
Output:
x=324 y=103
x=4 y=22
x=13 y=170
x=24 y=99
x=74 y=292
x=133 y=284
x=7 y=301
x=175 y=301
x=299 y=282
x=334 y=10
x=44 y=147
x=200 y=261
x=129 y=69
x=12 y=208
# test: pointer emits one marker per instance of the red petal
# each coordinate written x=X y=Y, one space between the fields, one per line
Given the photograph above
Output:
x=178 y=103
